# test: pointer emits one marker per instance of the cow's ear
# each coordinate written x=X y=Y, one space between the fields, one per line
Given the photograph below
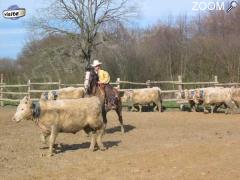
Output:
x=24 y=100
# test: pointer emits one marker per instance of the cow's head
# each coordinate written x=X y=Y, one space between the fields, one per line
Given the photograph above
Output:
x=24 y=110
x=180 y=95
x=53 y=95
x=44 y=96
x=186 y=93
x=197 y=93
x=127 y=96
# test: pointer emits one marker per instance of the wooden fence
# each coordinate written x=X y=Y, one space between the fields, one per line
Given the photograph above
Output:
x=30 y=91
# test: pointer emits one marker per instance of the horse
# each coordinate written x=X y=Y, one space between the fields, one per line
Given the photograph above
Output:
x=113 y=103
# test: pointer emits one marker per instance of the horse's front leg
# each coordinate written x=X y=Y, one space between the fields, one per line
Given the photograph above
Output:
x=43 y=137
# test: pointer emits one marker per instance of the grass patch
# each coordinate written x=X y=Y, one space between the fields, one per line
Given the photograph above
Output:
x=171 y=104
x=10 y=103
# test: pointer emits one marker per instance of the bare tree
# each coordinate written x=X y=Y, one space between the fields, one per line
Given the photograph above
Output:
x=82 y=20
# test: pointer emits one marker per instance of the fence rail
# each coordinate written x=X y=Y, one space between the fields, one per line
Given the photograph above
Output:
x=7 y=90
x=12 y=86
x=15 y=93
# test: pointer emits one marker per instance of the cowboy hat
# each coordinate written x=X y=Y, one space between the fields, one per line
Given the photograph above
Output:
x=96 y=63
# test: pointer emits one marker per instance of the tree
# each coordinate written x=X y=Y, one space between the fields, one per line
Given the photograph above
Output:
x=82 y=21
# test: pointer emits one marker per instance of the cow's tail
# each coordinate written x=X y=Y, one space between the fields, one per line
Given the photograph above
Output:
x=160 y=97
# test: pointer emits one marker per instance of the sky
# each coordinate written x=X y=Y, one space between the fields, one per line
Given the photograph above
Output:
x=14 y=34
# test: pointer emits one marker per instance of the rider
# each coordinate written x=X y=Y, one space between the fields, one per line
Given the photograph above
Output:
x=104 y=80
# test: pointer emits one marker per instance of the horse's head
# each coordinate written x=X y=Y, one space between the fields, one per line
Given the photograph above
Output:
x=91 y=81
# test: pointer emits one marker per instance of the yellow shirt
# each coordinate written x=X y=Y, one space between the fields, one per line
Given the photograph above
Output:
x=103 y=76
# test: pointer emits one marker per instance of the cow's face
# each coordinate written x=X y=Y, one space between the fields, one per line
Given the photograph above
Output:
x=127 y=95
x=186 y=94
x=179 y=95
x=197 y=93
x=53 y=95
x=24 y=110
x=191 y=94
x=44 y=96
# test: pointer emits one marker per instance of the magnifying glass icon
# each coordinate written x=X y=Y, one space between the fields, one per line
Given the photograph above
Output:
x=233 y=4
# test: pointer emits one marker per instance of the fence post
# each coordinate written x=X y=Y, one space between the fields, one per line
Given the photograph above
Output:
x=180 y=86
x=59 y=84
x=118 y=83
x=148 y=83
x=29 y=89
x=1 y=90
x=216 y=80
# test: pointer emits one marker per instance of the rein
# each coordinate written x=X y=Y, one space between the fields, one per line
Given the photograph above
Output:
x=101 y=89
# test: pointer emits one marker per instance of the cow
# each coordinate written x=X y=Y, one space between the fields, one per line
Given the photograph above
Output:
x=64 y=116
x=64 y=93
x=143 y=96
x=235 y=96
x=214 y=96
x=235 y=99
x=188 y=95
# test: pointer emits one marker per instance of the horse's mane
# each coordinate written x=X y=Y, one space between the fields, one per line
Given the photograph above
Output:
x=93 y=82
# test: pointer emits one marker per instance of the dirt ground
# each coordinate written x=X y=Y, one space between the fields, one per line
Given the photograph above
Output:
x=169 y=145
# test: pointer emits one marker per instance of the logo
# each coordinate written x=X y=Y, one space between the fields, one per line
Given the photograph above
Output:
x=233 y=4
x=210 y=6
x=214 y=5
x=14 y=12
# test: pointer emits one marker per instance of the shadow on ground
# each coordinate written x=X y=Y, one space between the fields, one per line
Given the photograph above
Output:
x=73 y=147
x=127 y=129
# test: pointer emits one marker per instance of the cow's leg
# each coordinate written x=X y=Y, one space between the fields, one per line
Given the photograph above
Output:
x=205 y=109
x=192 y=106
x=100 y=133
x=230 y=107
x=133 y=109
x=93 y=141
x=212 y=109
x=52 y=139
x=155 y=107
x=216 y=107
x=119 y=113
x=43 y=137
x=159 y=105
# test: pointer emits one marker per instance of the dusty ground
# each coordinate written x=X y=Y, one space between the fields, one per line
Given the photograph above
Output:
x=169 y=145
